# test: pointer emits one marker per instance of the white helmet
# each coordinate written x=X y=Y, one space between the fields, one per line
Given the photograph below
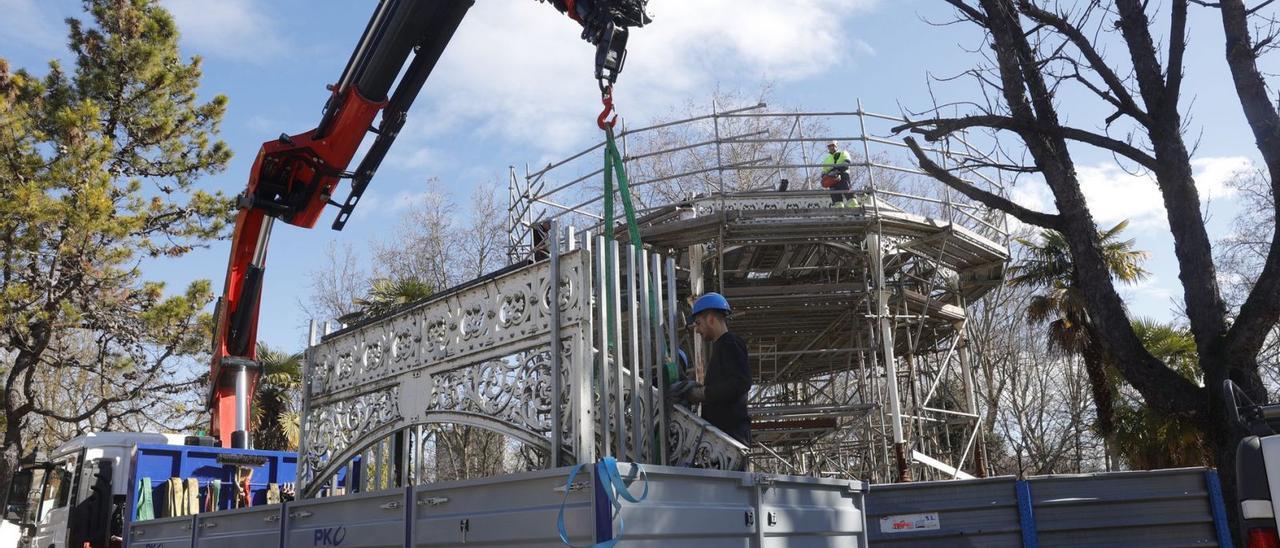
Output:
x=833 y=143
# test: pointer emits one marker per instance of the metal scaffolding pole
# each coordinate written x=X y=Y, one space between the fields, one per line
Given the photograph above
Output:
x=886 y=343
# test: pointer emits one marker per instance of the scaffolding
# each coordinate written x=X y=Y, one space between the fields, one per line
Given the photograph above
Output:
x=854 y=315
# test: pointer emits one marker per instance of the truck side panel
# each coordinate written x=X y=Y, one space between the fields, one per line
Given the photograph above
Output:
x=257 y=526
x=521 y=509
x=166 y=532
x=365 y=520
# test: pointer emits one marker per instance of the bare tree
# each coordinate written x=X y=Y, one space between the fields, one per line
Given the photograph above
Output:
x=1037 y=405
x=1036 y=49
x=1243 y=253
x=336 y=284
x=424 y=246
x=484 y=234
x=80 y=372
x=675 y=162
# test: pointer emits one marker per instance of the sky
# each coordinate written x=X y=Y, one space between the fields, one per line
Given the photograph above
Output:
x=515 y=87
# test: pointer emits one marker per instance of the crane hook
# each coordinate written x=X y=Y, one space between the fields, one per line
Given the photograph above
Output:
x=606 y=97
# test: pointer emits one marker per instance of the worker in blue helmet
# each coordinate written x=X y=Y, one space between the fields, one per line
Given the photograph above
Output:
x=728 y=379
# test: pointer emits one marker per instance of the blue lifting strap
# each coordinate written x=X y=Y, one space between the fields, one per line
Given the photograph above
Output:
x=614 y=487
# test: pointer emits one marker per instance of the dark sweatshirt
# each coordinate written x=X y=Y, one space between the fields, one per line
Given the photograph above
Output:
x=727 y=383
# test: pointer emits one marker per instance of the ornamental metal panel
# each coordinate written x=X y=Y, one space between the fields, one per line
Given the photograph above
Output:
x=477 y=356
x=482 y=356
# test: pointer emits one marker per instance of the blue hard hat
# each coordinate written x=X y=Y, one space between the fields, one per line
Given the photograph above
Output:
x=710 y=301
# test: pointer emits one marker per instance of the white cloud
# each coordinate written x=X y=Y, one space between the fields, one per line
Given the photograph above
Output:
x=417 y=158
x=370 y=206
x=1031 y=195
x=24 y=22
x=1151 y=290
x=236 y=29
x=1214 y=175
x=534 y=85
x=264 y=125
x=1114 y=195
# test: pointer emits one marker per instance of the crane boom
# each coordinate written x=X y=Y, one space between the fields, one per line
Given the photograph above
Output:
x=294 y=176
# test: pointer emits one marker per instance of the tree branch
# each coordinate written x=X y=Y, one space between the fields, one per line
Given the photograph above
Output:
x=1086 y=48
x=1259 y=312
x=1177 y=49
x=945 y=126
x=969 y=11
x=1135 y=28
x=1044 y=220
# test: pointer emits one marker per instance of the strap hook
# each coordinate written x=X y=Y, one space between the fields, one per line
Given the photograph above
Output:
x=606 y=97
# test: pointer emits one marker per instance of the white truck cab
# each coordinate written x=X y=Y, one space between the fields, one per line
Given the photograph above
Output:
x=1257 y=467
x=75 y=497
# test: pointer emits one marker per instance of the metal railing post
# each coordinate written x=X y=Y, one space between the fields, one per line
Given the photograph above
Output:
x=556 y=348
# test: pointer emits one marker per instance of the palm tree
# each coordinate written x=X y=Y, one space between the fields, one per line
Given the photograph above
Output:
x=276 y=419
x=388 y=294
x=1062 y=306
x=1146 y=438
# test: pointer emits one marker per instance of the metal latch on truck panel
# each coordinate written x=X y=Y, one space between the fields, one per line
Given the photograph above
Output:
x=762 y=480
x=433 y=501
x=573 y=487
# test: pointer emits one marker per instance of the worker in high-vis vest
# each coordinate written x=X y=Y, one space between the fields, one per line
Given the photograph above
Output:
x=836 y=166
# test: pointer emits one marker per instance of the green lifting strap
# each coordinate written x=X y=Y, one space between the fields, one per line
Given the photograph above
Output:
x=614 y=166
x=146 y=510
x=215 y=494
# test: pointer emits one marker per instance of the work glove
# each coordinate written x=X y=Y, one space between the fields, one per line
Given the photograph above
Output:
x=680 y=388
x=697 y=394
x=689 y=390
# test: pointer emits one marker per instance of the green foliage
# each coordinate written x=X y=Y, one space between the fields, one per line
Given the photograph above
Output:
x=1062 y=308
x=1146 y=438
x=389 y=294
x=98 y=173
x=276 y=421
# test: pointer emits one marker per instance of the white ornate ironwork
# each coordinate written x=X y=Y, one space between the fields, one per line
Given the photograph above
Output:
x=763 y=201
x=482 y=356
x=695 y=442
x=469 y=326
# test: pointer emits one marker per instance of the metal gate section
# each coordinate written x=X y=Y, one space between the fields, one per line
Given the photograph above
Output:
x=484 y=355
x=478 y=356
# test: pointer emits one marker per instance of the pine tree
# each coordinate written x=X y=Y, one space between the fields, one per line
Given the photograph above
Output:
x=98 y=172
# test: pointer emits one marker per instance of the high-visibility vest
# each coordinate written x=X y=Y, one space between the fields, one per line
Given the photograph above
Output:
x=834 y=161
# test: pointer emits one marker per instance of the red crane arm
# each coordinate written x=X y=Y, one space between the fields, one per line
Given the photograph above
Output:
x=294 y=176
